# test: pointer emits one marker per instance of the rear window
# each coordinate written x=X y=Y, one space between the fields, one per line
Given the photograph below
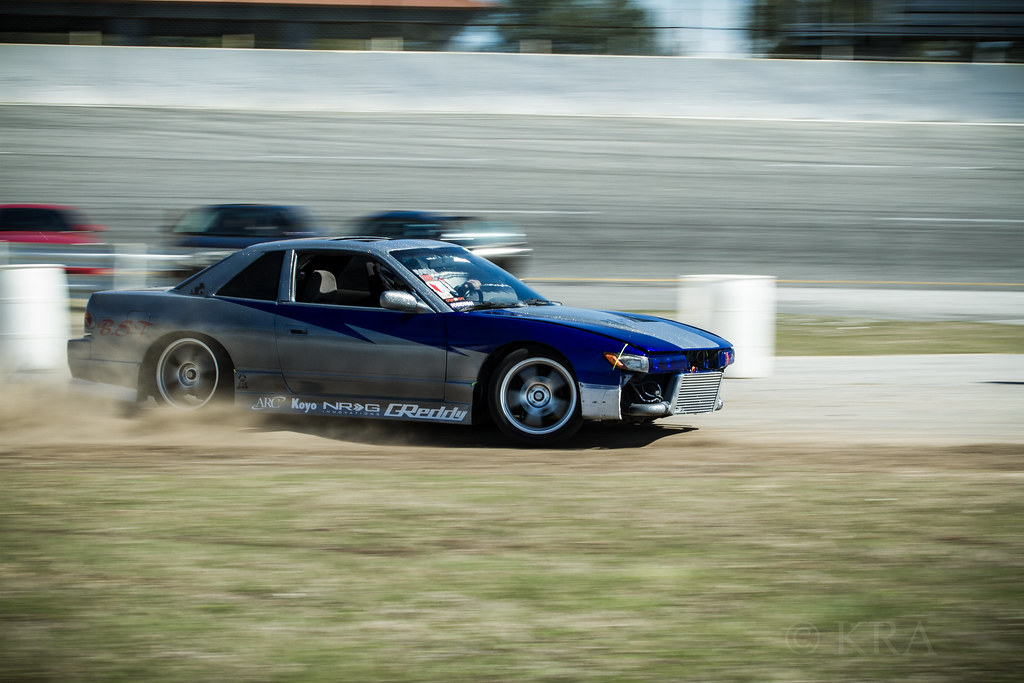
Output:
x=32 y=219
x=258 y=280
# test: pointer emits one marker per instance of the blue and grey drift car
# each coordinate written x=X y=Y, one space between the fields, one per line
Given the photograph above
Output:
x=394 y=329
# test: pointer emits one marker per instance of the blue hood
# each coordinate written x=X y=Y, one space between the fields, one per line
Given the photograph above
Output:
x=653 y=335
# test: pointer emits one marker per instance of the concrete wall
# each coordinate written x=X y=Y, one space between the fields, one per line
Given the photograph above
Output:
x=510 y=84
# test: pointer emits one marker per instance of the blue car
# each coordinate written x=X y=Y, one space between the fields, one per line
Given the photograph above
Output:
x=394 y=329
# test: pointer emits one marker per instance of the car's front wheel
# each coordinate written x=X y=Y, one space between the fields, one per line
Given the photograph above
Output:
x=191 y=372
x=534 y=398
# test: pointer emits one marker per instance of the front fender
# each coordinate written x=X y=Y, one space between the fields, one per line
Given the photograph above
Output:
x=478 y=343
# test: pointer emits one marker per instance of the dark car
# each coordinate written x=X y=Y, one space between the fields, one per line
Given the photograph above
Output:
x=46 y=224
x=501 y=243
x=50 y=224
x=394 y=329
x=213 y=231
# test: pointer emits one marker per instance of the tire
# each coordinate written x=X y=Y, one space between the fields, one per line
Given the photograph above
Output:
x=534 y=398
x=190 y=373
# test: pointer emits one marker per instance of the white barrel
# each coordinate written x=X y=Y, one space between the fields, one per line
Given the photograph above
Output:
x=740 y=308
x=34 y=318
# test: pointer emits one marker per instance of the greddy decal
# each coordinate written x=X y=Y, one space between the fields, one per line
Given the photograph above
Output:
x=404 y=411
x=413 y=411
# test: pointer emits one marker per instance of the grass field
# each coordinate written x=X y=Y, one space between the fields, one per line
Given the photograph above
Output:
x=824 y=336
x=354 y=562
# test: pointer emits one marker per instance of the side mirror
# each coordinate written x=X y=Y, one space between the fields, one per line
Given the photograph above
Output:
x=403 y=301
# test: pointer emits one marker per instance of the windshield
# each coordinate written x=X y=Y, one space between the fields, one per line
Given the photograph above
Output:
x=195 y=221
x=466 y=281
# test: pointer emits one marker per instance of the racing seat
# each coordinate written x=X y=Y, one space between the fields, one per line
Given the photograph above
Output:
x=321 y=287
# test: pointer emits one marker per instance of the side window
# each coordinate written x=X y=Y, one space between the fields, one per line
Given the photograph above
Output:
x=266 y=223
x=286 y=222
x=259 y=280
x=349 y=280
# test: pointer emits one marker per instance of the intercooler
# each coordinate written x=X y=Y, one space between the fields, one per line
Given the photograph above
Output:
x=696 y=393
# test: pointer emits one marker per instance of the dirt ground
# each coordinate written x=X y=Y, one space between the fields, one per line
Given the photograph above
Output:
x=955 y=411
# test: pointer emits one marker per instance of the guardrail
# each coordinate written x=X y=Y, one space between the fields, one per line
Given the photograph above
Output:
x=95 y=267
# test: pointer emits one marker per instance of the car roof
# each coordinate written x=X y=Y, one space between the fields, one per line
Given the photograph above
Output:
x=249 y=205
x=413 y=216
x=379 y=246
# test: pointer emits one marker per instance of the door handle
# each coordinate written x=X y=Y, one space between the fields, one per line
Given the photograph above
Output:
x=298 y=331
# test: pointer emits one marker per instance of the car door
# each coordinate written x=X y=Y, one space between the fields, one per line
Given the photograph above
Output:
x=334 y=339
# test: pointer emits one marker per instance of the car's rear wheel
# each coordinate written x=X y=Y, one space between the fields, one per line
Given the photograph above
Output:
x=534 y=398
x=190 y=373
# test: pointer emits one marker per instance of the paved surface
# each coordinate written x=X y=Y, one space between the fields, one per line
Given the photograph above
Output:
x=599 y=198
x=940 y=399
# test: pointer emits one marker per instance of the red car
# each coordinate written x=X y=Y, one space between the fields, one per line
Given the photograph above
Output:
x=51 y=225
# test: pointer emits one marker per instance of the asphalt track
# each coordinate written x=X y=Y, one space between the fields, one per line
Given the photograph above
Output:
x=815 y=204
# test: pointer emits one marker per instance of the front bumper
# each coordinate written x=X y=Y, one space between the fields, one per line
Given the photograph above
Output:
x=688 y=394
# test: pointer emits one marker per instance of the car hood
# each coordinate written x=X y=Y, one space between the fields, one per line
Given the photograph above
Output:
x=654 y=335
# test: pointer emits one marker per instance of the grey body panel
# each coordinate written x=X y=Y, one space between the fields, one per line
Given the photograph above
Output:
x=369 y=362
